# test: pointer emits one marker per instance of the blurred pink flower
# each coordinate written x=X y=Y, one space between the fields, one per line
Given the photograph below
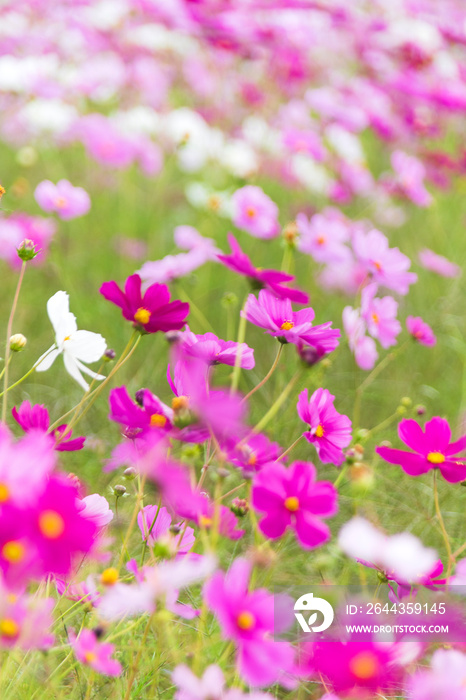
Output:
x=255 y=212
x=91 y=652
x=63 y=199
x=420 y=331
x=437 y=263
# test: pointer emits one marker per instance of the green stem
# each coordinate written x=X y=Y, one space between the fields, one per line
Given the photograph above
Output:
x=273 y=410
x=8 y=336
x=442 y=525
x=268 y=375
x=240 y=339
x=28 y=373
x=283 y=454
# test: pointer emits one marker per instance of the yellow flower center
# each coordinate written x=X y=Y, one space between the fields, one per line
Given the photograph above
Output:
x=252 y=459
x=287 y=325
x=9 y=628
x=204 y=521
x=90 y=657
x=61 y=202
x=377 y=266
x=4 y=493
x=245 y=620
x=319 y=431
x=51 y=524
x=142 y=316
x=435 y=458
x=251 y=212
x=12 y=598
x=364 y=665
x=292 y=504
x=158 y=420
x=320 y=240
x=109 y=577
x=13 y=552
x=375 y=317
x=213 y=202
x=180 y=402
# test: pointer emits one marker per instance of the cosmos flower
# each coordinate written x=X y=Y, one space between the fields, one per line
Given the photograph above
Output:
x=37 y=418
x=386 y=266
x=211 y=685
x=409 y=181
x=213 y=350
x=363 y=347
x=330 y=431
x=290 y=497
x=255 y=212
x=91 y=652
x=323 y=238
x=148 y=413
x=446 y=677
x=420 y=331
x=25 y=620
x=63 y=199
x=251 y=455
x=155 y=525
x=152 y=311
x=380 y=316
x=437 y=263
x=432 y=450
x=268 y=279
x=75 y=346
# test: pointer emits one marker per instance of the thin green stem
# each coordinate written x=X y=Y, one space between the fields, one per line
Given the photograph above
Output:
x=268 y=375
x=273 y=410
x=442 y=525
x=240 y=339
x=288 y=450
x=28 y=373
x=8 y=336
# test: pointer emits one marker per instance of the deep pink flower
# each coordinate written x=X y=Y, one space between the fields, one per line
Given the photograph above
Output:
x=152 y=311
x=253 y=453
x=202 y=511
x=37 y=418
x=213 y=350
x=255 y=212
x=91 y=652
x=291 y=498
x=96 y=509
x=65 y=200
x=323 y=238
x=380 y=316
x=420 y=331
x=268 y=279
x=329 y=431
x=247 y=618
x=437 y=263
x=149 y=413
x=278 y=318
x=387 y=266
x=25 y=620
x=432 y=450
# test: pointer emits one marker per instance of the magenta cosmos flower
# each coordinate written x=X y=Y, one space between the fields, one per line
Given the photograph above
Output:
x=269 y=279
x=215 y=351
x=432 y=450
x=255 y=212
x=36 y=417
x=97 y=655
x=330 y=431
x=420 y=331
x=279 y=319
x=152 y=311
x=247 y=618
x=291 y=498
x=63 y=199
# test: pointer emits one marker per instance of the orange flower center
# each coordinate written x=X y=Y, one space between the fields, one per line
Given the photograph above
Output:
x=251 y=212
x=90 y=657
x=4 y=493
x=435 y=458
x=287 y=325
x=319 y=431
x=61 y=202
x=364 y=665
x=377 y=265
x=109 y=577
x=142 y=316
x=320 y=240
x=204 y=521
x=9 y=628
x=51 y=524
x=13 y=552
x=246 y=620
x=375 y=317
x=292 y=504
x=252 y=459
x=180 y=402
x=158 y=420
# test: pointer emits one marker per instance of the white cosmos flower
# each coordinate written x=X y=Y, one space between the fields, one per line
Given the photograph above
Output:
x=76 y=346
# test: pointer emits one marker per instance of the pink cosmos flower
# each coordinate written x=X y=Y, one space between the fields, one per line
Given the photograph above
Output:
x=420 y=331
x=387 y=266
x=152 y=311
x=268 y=279
x=410 y=174
x=432 y=450
x=16 y=228
x=247 y=618
x=96 y=509
x=446 y=677
x=65 y=200
x=104 y=142
x=380 y=316
x=437 y=263
x=252 y=454
x=36 y=417
x=148 y=413
x=210 y=687
x=329 y=431
x=291 y=498
x=255 y=212
x=155 y=524
x=212 y=350
x=363 y=347
x=25 y=621
x=91 y=652
x=278 y=318
x=309 y=142
x=323 y=238
x=202 y=511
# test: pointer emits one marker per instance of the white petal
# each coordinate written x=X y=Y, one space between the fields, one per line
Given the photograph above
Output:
x=86 y=346
x=72 y=369
x=88 y=371
x=47 y=359
x=58 y=308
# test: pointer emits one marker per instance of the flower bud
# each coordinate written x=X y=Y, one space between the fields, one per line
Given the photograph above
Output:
x=401 y=410
x=406 y=401
x=119 y=490
x=129 y=474
x=291 y=233
x=420 y=410
x=17 y=342
x=229 y=300
x=361 y=476
x=239 y=506
x=139 y=396
x=172 y=336
x=27 y=250
x=109 y=355
x=263 y=556
x=175 y=529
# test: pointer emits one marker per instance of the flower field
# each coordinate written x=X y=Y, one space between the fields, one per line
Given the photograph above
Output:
x=233 y=380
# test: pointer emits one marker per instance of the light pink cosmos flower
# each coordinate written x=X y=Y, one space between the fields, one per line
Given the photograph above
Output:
x=63 y=199
x=25 y=621
x=255 y=212
x=96 y=509
x=91 y=652
x=323 y=238
x=329 y=431
x=278 y=318
x=380 y=316
x=247 y=618
x=213 y=350
x=437 y=263
x=290 y=497
x=446 y=677
x=16 y=228
x=409 y=181
x=363 y=347
x=420 y=331
x=210 y=687
x=155 y=524
x=386 y=266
